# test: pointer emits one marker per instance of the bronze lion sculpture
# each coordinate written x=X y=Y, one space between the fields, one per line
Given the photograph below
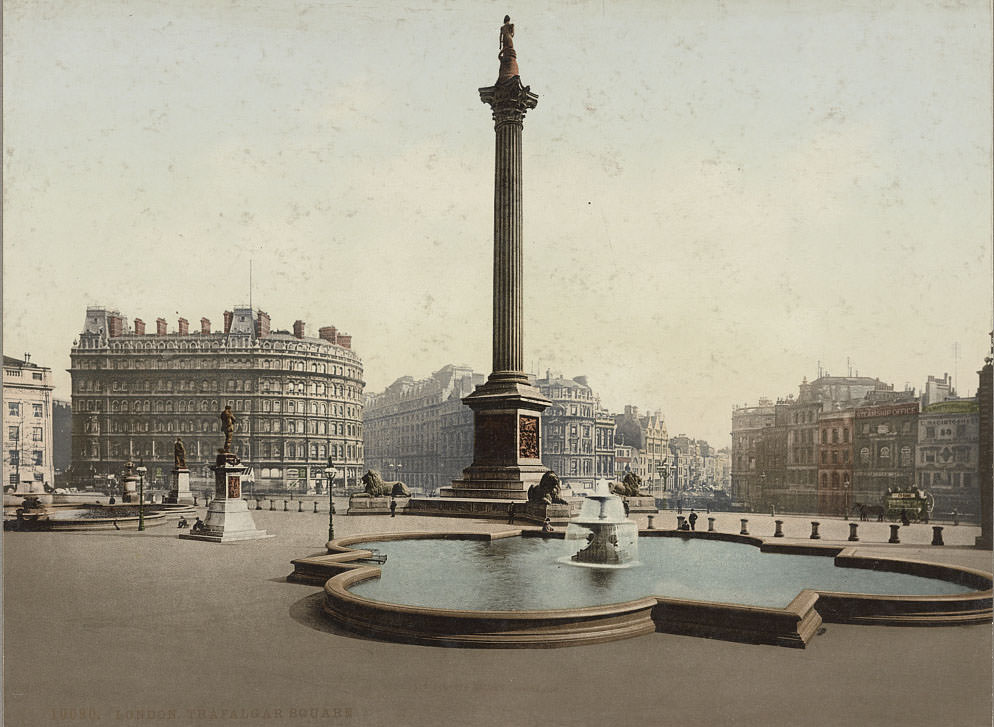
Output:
x=376 y=486
x=628 y=487
x=546 y=491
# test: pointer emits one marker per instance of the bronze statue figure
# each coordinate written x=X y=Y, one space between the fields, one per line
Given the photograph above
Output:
x=506 y=36
x=227 y=426
x=179 y=455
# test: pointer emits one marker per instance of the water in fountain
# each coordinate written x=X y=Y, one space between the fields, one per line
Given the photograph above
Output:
x=601 y=535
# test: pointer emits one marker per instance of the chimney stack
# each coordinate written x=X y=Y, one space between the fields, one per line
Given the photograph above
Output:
x=184 y=327
x=160 y=326
x=344 y=341
x=329 y=334
x=139 y=327
x=115 y=326
x=205 y=327
x=298 y=328
x=262 y=325
x=228 y=317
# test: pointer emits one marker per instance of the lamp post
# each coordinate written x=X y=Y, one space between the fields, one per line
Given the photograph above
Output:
x=141 y=469
x=332 y=473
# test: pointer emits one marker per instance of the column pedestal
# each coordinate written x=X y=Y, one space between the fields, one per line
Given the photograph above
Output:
x=129 y=485
x=228 y=517
x=180 y=493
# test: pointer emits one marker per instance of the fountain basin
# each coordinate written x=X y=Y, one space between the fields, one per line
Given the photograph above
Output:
x=357 y=597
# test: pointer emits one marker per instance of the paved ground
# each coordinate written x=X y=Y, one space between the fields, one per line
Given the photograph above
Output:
x=139 y=628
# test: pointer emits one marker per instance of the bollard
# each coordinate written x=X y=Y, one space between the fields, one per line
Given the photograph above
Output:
x=814 y=530
x=315 y=507
x=272 y=504
x=937 y=535
x=300 y=506
x=650 y=526
x=852 y=532
x=286 y=506
x=710 y=524
x=194 y=500
x=778 y=532
x=258 y=504
x=893 y=534
x=745 y=527
x=679 y=522
x=955 y=518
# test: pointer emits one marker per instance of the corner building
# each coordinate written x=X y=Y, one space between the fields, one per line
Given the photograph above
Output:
x=28 y=451
x=297 y=399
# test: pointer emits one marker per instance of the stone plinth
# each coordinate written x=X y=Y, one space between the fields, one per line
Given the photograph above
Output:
x=228 y=517
x=130 y=485
x=365 y=505
x=507 y=454
x=180 y=493
x=641 y=503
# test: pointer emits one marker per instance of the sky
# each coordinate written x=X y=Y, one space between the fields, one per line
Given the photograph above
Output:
x=719 y=197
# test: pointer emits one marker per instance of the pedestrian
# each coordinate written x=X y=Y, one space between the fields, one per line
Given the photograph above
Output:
x=709 y=509
x=773 y=511
x=393 y=507
x=904 y=517
x=627 y=507
x=511 y=511
x=182 y=522
x=692 y=519
x=955 y=516
x=112 y=500
x=547 y=526
x=116 y=527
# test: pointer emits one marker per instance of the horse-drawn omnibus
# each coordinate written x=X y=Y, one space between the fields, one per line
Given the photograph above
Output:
x=916 y=504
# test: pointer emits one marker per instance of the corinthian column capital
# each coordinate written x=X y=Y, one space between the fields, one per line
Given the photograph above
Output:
x=509 y=100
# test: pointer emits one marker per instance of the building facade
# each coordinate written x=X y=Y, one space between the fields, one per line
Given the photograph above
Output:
x=835 y=461
x=297 y=399
x=604 y=452
x=647 y=436
x=884 y=441
x=948 y=456
x=419 y=431
x=568 y=430
x=749 y=424
x=28 y=454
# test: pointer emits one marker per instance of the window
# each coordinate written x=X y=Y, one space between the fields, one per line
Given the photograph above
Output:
x=37 y=456
x=13 y=433
x=13 y=408
x=15 y=457
x=36 y=377
x=905 y=456
x=864 y=455
x=885 y=453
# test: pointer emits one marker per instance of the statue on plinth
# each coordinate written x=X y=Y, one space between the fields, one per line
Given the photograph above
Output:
x=227 y=426
x=507 y=56
x=179 y=455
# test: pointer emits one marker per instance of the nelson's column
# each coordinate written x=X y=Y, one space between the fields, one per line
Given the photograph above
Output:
x=507 y=453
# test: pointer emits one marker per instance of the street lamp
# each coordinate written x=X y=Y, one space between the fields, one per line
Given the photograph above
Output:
x=332 y=473
x=141 y=469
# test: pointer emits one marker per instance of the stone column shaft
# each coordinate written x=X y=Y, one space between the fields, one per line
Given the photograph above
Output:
x=508 y=263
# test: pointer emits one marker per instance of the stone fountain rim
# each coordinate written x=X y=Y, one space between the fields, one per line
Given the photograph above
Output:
x=794 y=625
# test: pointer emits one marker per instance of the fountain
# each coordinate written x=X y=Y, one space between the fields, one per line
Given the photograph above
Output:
x=601 y=535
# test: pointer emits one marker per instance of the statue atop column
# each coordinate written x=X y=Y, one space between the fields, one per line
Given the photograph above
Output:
x=179 y=455
x=508 y=58
x=227 y=426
